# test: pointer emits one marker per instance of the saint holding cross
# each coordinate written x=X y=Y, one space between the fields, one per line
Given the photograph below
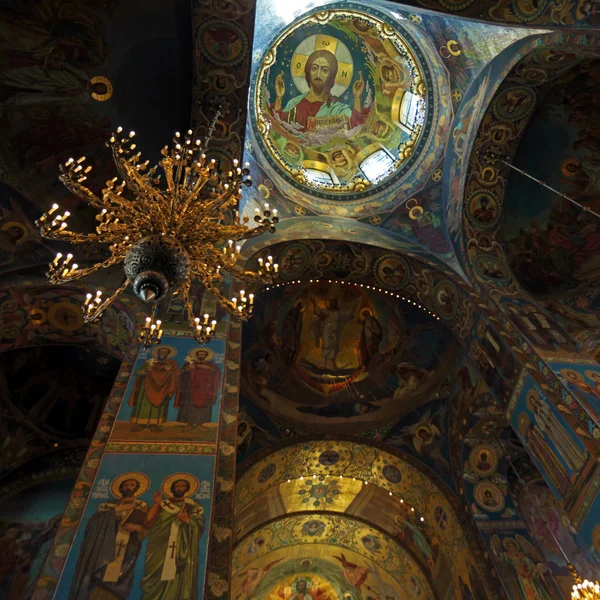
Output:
x=112 y=543
x=176 y=525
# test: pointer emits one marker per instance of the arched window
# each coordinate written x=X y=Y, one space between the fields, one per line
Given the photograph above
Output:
x=409 y=110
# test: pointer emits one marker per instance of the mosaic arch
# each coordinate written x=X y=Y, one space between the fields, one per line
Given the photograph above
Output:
x=346 y=104
x=366 y=484
x=320 y=355
x=421 y=282
x=499 y=134
x=567 y=13
x=336 y=556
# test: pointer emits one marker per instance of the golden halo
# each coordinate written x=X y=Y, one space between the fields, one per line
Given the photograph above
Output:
x=524 y=423
x=332 y=45
x=154 y=351
x=528 y=402
x=142 y=479
x=506 y=542
x=593 y=375
x=9 y=224
x=109 y=88
x=578 y=376
x=210 y=353
x=415 y=212
x=168 y=482
x=567 y=163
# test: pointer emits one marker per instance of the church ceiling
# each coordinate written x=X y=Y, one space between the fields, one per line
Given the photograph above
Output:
x=551 y=245
x=360 y=484
x=493 y=211
x=572 y=13
x=337 y=556
x=71 y=72
x=405 y=206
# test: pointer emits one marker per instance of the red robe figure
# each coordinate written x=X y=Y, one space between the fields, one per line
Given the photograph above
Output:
x=198 y=389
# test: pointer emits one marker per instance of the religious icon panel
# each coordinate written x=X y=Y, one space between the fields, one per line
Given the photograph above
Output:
x=144 y=532
x=174 y=393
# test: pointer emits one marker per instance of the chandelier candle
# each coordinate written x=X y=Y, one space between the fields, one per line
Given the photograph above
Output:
x=166 y=235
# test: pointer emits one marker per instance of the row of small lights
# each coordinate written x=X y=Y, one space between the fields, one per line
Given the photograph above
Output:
x=362 y=285
x=365 y=482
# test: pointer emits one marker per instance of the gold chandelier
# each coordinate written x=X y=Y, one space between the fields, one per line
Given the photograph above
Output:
x=584 y=590
x=165 y=235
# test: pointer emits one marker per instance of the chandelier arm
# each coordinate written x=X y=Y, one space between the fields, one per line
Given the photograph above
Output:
x=60 y=272
x=256 y=231
x=69 y=236
x=227 y=304
x=203 y=331
x=249 y=276
x=80 y=190
x=133 y=177
x=93 y=314
x=118 y=203
x=216 y=203
x=167 y=165
x=192 y=197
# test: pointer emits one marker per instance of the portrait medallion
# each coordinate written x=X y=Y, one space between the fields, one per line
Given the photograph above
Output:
x=483 y=460
x=489 y=496
x=391 y=272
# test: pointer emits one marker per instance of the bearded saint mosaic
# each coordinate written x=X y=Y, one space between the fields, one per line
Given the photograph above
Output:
x=340 y=102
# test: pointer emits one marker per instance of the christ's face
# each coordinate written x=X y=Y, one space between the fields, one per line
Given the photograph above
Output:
x=301 y=587
x=319 y=74
x=180 y=488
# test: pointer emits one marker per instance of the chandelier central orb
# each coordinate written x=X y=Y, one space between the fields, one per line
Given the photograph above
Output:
x=165 y=233
x=155 y=265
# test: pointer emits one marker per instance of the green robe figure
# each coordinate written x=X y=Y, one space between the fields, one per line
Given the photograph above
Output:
x=176 y=525
x=155 y=384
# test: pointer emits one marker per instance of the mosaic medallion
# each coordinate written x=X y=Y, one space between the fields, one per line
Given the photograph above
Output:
x=329 y=458
x=445 y=298
x=483 y=209
x=222 y=42
x=392 y=473
x=391 y=272
x=483 y=460
x=340 y=103
x=514 y=103
x=267 y=472
x=487 y=266
x=489 y=496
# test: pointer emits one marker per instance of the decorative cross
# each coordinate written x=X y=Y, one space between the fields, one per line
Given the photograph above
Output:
x=173 y=547
x=120 y=547
x=456 y=95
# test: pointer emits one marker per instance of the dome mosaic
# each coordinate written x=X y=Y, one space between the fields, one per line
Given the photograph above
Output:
x=341 y=104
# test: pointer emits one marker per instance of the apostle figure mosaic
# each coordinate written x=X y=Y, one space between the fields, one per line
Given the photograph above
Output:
x=143 y=535
x=174 y=393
